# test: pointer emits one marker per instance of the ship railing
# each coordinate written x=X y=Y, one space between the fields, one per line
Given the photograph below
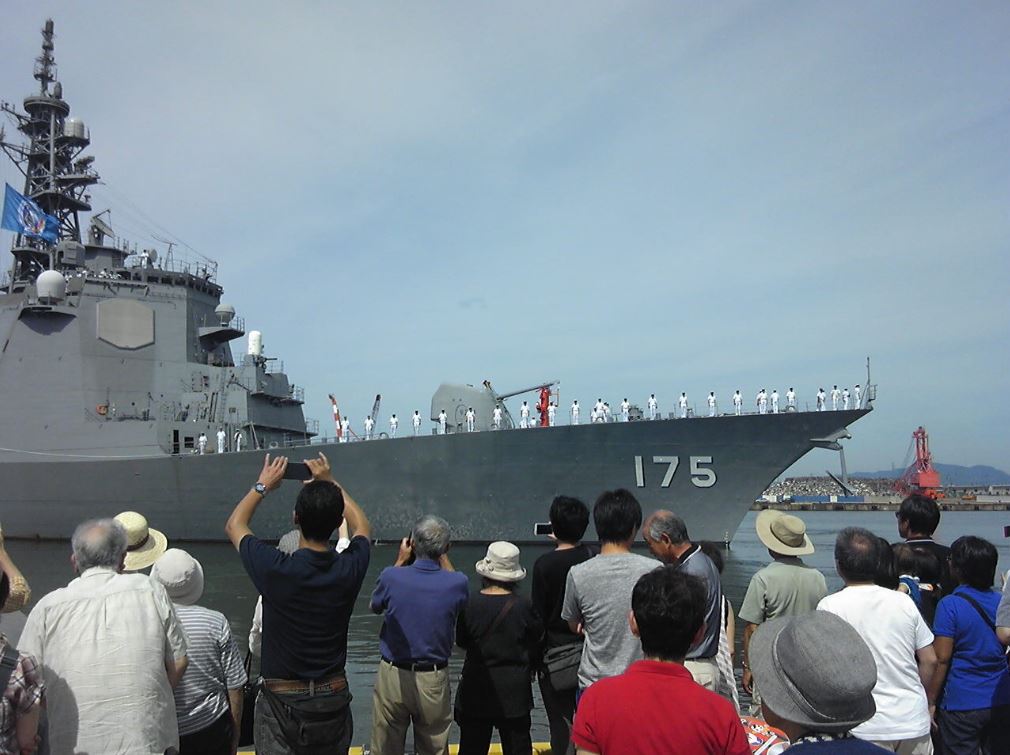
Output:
x=176 y=263
x=236 y=323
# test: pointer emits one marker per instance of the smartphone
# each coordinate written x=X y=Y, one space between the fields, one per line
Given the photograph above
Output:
x=1006 y=530
x=297 y=470
x=543 y=528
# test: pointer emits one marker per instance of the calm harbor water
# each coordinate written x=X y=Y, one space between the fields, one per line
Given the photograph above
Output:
x=46 y=565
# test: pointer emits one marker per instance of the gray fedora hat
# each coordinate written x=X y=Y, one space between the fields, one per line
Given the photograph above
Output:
x=814 y=670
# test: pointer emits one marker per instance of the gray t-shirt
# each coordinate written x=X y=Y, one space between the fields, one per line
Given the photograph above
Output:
x=696 y=563
x=598 y=594
x=786 y=587
x=1003 y=612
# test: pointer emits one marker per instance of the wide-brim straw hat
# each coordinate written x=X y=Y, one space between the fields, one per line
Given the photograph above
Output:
x=814 y=670
x=501 y=563
x=783 y=533
x=181 y=575
x=144 y=544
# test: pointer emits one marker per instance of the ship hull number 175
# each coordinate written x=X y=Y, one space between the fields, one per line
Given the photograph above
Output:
x=702 y=476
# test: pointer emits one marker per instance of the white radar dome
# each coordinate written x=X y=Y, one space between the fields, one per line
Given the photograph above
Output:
x=52 y=287
x=225 y=313
x=255 y=343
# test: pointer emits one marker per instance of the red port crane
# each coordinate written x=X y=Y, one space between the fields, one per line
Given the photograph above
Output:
x=920 y=477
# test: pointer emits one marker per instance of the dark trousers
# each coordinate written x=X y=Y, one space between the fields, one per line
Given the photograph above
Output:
x=560 y=710
x=216 y=739
x=269 y=737
x=475 y=735
x=967 y=732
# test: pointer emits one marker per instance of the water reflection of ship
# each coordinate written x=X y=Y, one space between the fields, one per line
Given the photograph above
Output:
x=114 y=360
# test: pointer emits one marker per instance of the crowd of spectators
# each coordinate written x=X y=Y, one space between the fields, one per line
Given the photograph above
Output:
x=631 y=653
x=825 y=486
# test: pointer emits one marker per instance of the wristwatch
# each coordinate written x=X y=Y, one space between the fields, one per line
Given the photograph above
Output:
x=260 y=488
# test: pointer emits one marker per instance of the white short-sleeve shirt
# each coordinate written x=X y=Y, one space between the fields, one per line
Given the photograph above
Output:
x=894 y=629
x=103 y=641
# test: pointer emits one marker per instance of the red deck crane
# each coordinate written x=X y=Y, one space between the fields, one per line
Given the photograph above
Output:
x=921 y=476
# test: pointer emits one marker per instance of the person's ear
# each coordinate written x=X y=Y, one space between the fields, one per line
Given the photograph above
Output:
x=294 y=517
x=73 y=563
x=633 y=623
x=122 y=563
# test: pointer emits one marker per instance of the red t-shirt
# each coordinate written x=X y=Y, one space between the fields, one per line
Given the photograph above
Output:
x=657 y=707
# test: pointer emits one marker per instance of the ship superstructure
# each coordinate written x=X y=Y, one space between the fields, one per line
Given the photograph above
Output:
x=110 y=350
x=116 y=360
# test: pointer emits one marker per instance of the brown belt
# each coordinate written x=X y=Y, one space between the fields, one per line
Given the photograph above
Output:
x=307 y=687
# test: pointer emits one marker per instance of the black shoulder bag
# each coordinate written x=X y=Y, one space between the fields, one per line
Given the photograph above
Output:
x=981 y=611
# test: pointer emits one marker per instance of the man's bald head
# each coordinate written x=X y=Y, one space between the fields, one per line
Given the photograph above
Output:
x=99 y=542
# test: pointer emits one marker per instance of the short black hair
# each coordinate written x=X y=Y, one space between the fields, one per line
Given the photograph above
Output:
x=617 y=516
x=856 y=554
x=569 y=518
x=974 y=561
x=921 y=513
x=714 y=552
x=887 y=573
x=320 y=510
x=5 y=588
x=669 y=607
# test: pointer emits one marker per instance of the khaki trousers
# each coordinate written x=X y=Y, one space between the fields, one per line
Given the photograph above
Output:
x=916 y=746
x=401 y=698
x=705 y=672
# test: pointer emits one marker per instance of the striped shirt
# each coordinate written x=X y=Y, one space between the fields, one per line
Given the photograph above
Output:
x=215 y=666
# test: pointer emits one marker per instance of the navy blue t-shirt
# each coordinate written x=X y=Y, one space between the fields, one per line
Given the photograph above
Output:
x=978 y=676
x=308 y=598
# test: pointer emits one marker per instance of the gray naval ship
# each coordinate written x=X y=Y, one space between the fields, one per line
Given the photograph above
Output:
x=114 y=360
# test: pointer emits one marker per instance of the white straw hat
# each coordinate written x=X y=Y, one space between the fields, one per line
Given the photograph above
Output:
x=501 y=563
x=144 y=545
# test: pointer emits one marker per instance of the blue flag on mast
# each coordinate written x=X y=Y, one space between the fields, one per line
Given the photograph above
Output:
x=22 y=215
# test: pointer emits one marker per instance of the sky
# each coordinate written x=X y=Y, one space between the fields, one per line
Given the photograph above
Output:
x=631 y=198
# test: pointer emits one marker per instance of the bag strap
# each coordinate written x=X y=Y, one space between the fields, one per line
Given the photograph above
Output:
x=978 y=607
x=501 y=615
x=8 y=662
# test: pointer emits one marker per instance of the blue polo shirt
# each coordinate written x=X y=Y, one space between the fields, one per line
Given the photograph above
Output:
x=978 y=676
x=420 y=602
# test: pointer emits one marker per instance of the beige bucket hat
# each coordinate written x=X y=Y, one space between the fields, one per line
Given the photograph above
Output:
x=783 y=533
x=144 y=544
x=181 y=575
x=501 y=563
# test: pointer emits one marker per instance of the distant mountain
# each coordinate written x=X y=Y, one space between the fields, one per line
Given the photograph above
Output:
x=952 y=474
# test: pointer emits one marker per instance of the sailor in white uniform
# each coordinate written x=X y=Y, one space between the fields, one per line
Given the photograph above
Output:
x=471 y=416
x=682 y=403
x=238 y=441
x=442 y=417
x=791 y=398
x=345 y=430
x=369 y=424
x=821 y=395
x=762 y=401
x=222 y=438
x=625 y=409
x=737 y=403
x=711 y=403
x=653 y=406
x=524 y=416
x=416 y=420
x=496 y=418
x=606 y=412
x=552 y=411
x=775 y=400
x=201 y=444
x=598 y=410
x=845 y=398
x=835 y=395
x=394 y=423
x=857 y=395
x=575 y=412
